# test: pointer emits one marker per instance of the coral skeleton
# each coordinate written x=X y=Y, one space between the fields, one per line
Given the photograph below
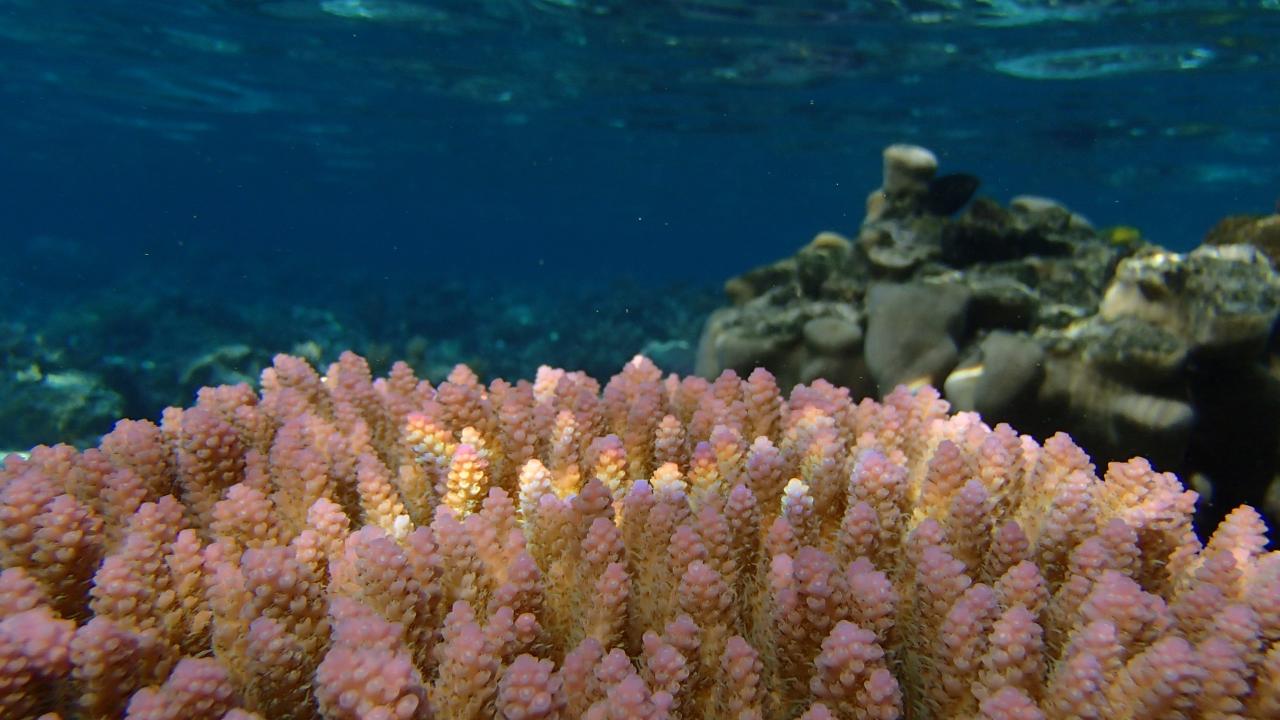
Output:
x=346 y=547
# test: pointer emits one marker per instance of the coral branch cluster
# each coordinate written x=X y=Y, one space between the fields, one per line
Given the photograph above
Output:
x=343 y=547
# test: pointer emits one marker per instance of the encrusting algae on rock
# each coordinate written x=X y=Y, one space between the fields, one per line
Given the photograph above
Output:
x=344 y=547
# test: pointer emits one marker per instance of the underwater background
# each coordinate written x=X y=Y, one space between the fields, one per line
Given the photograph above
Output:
x=190 y=188
x=665 y=359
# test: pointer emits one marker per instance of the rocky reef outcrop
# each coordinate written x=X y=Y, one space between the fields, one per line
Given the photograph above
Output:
x=1027 y=314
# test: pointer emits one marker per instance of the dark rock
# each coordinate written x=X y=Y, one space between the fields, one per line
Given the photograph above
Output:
x=988 y=233
x=1262 y=232
x=1134 y=352
x=912 y=331
x=1014 y=366
x=833 y=335
x=1220 y=300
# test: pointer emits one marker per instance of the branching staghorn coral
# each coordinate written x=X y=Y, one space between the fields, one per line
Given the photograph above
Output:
x=343 y=547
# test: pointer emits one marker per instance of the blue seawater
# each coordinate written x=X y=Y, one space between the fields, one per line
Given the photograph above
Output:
x=657 y=138
x=286 y=152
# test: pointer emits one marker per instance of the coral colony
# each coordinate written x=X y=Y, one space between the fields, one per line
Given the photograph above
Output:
x=662 y=547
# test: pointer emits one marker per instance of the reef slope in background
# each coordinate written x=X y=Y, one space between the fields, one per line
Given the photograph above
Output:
x=1029 y=315
x=660 y=548
x=75 y=360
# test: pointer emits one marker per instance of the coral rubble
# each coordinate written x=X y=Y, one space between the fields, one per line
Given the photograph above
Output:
x=344 y=547
x=1028 y=315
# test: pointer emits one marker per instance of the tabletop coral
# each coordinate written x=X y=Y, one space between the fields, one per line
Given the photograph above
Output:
x=660 y=547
